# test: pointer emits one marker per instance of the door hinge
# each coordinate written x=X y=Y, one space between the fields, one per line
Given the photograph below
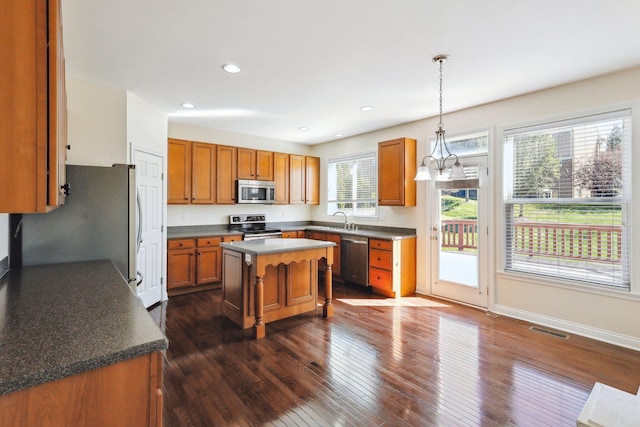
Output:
x=161 y=280
x=487 y=171
x=162 y=228
x=161 y=176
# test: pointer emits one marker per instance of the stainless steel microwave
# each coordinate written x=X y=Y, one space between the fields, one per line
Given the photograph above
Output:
x=262 y=192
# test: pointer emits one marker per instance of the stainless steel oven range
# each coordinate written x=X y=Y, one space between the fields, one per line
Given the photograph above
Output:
x=253 y=227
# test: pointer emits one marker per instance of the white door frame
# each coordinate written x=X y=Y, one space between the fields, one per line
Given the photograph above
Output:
x=478 y=297
x=163 y=273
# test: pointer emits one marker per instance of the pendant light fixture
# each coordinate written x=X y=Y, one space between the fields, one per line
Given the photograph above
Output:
x=440 y=147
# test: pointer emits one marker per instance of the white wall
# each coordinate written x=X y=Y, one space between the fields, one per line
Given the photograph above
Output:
x=180 y=215
x=611 y=316
x=97 y=124
x=146 y=125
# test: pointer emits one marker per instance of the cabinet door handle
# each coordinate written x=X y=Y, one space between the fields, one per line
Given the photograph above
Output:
x=378 y=258
x=180 y=244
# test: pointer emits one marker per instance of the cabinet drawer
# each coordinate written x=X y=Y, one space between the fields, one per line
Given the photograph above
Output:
x=380 y=259
x=234 y=238
x=385 y=245
x=289 y=234
x=380 y=278
x=180 y=244
x=205 y=242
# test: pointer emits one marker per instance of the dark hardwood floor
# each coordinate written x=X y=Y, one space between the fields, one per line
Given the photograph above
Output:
x=425 y=362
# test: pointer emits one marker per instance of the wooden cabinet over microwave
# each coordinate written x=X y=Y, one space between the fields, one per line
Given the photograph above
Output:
x=32 y=107
x=255 y=164
x=396 y=170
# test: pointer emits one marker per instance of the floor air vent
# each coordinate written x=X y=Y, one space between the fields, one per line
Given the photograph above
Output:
x=548 y=332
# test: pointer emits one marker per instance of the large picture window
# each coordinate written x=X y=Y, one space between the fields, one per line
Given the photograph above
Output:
x=352 y=185
x=567 y=190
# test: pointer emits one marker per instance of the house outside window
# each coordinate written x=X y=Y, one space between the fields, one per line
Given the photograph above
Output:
x=352 y=185
x=566 y=200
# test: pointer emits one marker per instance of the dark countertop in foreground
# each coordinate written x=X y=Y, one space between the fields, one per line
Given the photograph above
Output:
x=274 y=246
x=65 y=319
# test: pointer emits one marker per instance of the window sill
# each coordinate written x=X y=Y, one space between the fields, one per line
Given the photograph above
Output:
x=539 y=280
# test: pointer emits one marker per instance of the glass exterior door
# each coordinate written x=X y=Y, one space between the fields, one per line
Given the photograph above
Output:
x=459 y=234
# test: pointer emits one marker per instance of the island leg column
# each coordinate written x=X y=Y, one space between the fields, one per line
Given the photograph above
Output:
x=327 y=308
x=258 y=327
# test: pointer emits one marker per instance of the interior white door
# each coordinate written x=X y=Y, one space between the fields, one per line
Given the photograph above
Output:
x=459 y=255
x=149 y=169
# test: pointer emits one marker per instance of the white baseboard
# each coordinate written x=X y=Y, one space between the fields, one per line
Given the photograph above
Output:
x=574 y=328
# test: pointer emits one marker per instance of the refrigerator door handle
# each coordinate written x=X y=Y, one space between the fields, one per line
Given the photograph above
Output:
x=139 y=224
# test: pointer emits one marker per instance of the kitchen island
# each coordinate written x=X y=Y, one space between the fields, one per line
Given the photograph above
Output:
x=271 y=279
x=77 y=348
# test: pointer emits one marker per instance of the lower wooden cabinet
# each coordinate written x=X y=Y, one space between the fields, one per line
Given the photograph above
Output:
x=297 y=234
x=329 y=237
x=392 y=266
x=195 y=264
x=128 y=393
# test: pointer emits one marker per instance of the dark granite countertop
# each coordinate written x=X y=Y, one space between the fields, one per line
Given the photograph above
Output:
x=189 y=231
x=273 y=246
x=64 y=319
x=385 y=233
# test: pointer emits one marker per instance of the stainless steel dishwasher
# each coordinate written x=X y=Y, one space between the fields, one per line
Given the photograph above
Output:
x=354 y=259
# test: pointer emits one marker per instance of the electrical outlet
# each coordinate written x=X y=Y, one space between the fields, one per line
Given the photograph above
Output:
x=185 y=216
x=381 y=216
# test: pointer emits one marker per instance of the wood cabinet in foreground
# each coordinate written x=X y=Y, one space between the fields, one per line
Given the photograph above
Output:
x=127 y=393
x=33 y=133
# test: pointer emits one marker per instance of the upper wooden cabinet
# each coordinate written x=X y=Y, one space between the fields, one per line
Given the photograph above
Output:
x=312 y=186
x=255 y=164
x=297 y=179
x=396 y=170
x=226 y=174
x=179 y=171
x=191 y=172
x=304 y=180
x=207 y=173
x=281 y=177
x=32 y=106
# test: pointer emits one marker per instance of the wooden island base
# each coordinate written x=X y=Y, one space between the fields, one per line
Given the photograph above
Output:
x=259 y=288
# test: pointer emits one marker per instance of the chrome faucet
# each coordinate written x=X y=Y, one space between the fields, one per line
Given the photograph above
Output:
x=345 y=217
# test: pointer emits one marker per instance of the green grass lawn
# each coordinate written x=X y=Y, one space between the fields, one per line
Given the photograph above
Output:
x=458 y=208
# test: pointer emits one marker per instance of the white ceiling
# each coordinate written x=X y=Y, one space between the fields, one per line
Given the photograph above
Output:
x=314 y=63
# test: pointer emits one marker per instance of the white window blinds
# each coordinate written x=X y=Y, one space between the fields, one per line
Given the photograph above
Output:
x=566 y=194
x=352 y=185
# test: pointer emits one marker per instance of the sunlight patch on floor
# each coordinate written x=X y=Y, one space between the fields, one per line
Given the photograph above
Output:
x=393 y=302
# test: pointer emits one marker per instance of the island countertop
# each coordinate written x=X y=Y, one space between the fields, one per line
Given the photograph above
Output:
x=274 y=246
x=65 y=319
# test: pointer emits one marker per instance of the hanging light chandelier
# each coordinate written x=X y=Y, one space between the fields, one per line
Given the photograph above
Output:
x=440 y=147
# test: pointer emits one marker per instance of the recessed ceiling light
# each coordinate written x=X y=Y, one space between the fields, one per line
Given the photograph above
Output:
x=303 y=128
x=339 y=135
x=366 y=108
x=231 y=68
x=187 y=105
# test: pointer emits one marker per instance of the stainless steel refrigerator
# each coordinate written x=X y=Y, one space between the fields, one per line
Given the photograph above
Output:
x=98 y=221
